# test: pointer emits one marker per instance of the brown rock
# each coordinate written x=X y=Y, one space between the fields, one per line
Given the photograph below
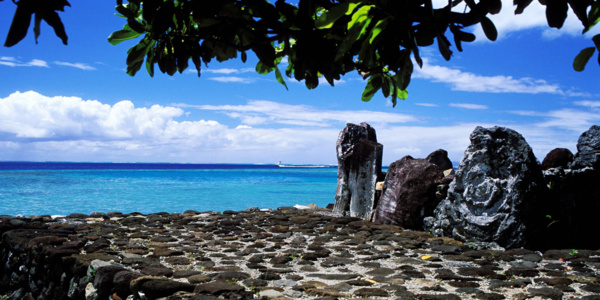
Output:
x=408 y=193
x=559 y=157
x=440 y=158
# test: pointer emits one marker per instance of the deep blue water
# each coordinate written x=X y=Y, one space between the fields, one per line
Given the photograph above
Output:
x=49 y=188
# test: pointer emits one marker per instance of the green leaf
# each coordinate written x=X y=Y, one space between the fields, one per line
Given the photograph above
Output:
x=326 y=20
x=387 y=86
x=197 y=63
x=263 y=69
x=593 y=16
x=403 y=76
x=19 y=26
x=136 y=54
x=489 y=29
x=579 y=8
x=444 y=46
x=556 y=12
x=582 y=58
x=596 y=40
x=521 y=5
x=373 y=85
x=377 y=29
x=150 y=63
x=280 y=78
x=402 y=94
x=135 y=25
x=122 y=35
x=357 y=28
x=360 y=16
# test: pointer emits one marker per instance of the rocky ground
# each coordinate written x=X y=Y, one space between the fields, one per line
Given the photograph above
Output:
x=290 y=254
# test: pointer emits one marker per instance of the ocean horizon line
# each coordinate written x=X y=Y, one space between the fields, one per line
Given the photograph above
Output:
x=57 y=165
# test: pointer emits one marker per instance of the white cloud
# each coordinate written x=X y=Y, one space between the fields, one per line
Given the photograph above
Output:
x=268 y=112
x=235 y=79
x=470 y=82
x=574 y=120
x=37 y=127
x=427 y=104
x=13 y=62
x=468 y=106
x=228 y=71
x=81 y=66
x=222 y=71
x=587 y=103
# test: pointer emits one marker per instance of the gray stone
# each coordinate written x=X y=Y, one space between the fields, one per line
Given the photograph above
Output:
x=270 y=294
x=588 y=149
x=496 y=192
x=547 y=293
x=575 y=197
x=217 y=288
x=157 y=288
x=359 y=167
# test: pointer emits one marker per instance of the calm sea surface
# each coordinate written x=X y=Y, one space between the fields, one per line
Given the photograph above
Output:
x=30 y=188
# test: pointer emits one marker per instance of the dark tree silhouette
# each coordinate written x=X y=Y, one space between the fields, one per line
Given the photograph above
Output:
x=380 y=39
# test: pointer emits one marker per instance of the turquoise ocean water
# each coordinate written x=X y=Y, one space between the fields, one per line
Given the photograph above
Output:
x=28 y=188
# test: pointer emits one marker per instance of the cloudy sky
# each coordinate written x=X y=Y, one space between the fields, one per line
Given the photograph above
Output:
x=76 y=103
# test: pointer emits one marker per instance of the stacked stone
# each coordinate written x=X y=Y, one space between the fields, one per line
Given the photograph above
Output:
x=277 y=254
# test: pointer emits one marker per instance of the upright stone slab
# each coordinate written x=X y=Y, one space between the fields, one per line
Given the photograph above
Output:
x=409 y=193
x=359 y=166
x=495 y=196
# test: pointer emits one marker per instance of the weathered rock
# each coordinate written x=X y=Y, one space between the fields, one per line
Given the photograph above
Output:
x=157 y=288
x=495 y=197
x=359 y=167
x=217 y=288
x=559 y=157
x=408 y=193
x=588 y=149
x=440 y=158
x=575 y=196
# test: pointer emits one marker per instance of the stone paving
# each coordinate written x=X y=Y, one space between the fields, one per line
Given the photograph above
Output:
x=287 y=254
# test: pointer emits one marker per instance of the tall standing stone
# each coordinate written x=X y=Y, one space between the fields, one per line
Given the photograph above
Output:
x=359 y=167
x=408 y=193
x=494 y=199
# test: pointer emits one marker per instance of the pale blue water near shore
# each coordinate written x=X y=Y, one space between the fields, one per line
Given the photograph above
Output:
x=32 y=188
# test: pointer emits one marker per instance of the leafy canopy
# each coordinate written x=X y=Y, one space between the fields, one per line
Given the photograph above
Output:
x=379 y=39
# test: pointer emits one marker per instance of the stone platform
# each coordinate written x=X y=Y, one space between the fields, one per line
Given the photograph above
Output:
x=281 y=254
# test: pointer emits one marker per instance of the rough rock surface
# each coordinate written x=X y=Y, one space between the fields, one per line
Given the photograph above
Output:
x=440 y=158
x=588 y=150
x=238 y=256
x=409 y=193
x=575 y=196
x=559 y=157
x=359 y=168
x=495 y=195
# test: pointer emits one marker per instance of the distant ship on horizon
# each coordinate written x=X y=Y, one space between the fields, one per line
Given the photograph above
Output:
x=279 y=164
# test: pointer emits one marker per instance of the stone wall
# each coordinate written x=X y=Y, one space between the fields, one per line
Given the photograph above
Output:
x=37 y=262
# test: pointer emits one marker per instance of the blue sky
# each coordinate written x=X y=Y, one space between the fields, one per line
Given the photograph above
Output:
x=76 y=103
